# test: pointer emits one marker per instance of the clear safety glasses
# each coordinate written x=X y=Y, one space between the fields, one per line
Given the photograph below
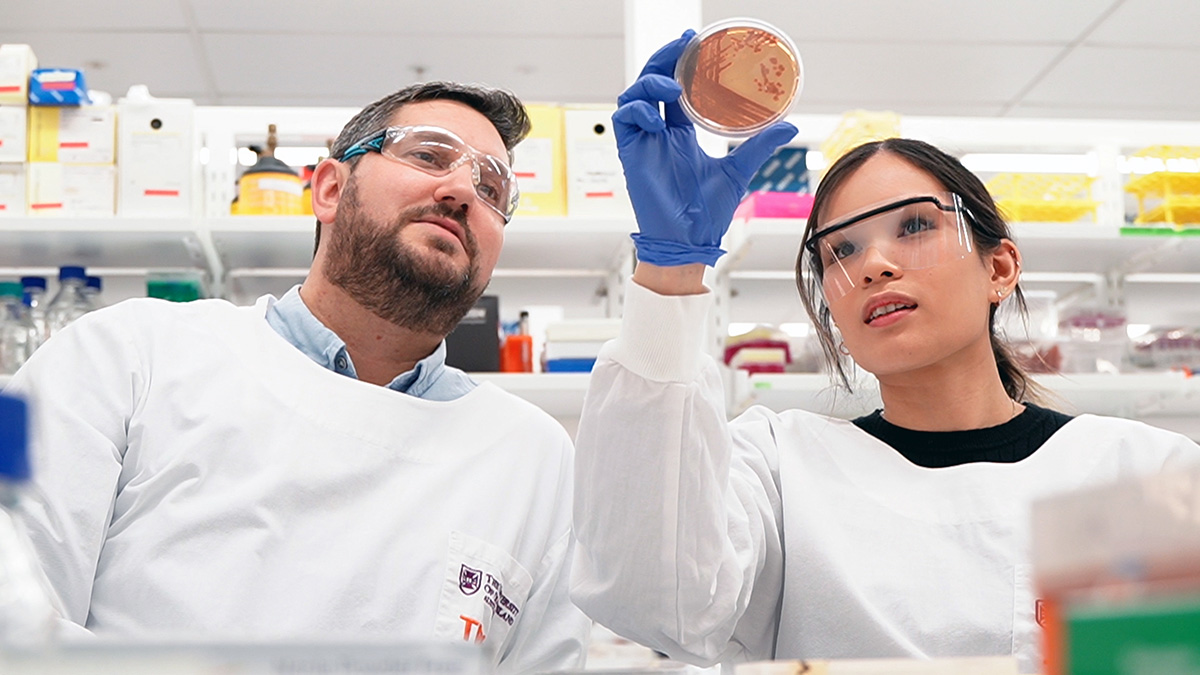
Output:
x=437 y=152
x=911 y=233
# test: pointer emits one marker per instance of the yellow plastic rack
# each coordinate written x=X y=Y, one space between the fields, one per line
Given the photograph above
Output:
x=857 y=127
x=1043 y=197
x=1171 y=197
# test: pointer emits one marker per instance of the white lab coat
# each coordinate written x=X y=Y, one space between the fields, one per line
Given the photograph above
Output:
x=795 y=535
x=198 y=476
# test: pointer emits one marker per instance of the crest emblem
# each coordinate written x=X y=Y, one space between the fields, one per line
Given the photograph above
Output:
x=469 y=580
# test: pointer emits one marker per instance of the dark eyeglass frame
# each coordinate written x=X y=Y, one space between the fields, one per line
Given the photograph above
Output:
x=811 y=244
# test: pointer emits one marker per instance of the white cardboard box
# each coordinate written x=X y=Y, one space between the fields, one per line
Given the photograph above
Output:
x=595 y=180
x=83 y=135
x=155 y=157
x=12 y=190
x=17 y=62
x=66 y=190
x=13 y=128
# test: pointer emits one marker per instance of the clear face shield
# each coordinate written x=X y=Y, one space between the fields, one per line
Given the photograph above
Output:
x=437 y=151
x=911 y=233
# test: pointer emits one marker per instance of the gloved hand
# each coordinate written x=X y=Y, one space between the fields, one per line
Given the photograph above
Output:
x=683 y=199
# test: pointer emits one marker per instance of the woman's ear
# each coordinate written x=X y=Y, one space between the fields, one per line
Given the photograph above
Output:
x=1005 y=266
x=328 y=181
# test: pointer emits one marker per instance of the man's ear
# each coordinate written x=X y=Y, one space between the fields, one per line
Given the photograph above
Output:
x=328 y=181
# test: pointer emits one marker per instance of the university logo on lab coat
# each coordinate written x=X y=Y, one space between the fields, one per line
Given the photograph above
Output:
x=469 y=580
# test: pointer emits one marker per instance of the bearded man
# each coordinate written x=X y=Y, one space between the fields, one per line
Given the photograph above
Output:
x=309 y=466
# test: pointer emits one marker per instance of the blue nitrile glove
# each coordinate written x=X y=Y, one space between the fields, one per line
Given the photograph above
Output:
x=683 y=199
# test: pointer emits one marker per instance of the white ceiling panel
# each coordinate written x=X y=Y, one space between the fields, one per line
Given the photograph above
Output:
x=407 y=18
x=269 y=64
x=71 y=15
x=1128 y=78
x=1036 y=58
x=1016 y=21
x=113 y=61
x=1151 y=23
x=897 y=75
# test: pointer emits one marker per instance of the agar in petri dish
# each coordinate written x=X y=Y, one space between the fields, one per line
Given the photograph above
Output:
x=739 y=76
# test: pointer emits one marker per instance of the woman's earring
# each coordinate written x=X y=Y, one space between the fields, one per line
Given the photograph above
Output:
x=842 y=348
x=1000 y=293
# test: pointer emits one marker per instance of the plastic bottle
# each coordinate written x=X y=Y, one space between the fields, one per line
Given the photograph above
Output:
x=18 y=335
x=27 y=616
x=36 y=300
x=517 y=353
x=70 y=302
x=92 y=290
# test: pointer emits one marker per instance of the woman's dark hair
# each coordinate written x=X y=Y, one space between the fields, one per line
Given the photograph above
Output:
x=987 y=230
x=502 y=108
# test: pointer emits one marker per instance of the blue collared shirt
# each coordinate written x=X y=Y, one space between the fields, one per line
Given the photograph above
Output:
x=430 y=379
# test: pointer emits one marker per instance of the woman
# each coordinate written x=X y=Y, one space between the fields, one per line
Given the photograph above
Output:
x=795 y=535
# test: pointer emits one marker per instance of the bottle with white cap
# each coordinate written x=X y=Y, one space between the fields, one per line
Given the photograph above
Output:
x=27 y=615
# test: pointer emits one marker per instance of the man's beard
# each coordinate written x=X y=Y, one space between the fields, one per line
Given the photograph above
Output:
x=373 y=266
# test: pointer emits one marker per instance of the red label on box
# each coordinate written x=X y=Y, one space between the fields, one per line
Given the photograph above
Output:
x=48 y=205
x=9 y=87
x=598 y=194
x=161 y=193
x=73 y=144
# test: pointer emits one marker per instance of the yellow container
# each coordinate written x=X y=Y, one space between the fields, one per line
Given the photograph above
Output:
x=1043 y=197
x=857 y=127
x=1169 y=196
x=270 y=188
x=540 y=163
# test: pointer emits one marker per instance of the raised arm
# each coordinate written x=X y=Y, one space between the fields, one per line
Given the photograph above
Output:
x=676 y=514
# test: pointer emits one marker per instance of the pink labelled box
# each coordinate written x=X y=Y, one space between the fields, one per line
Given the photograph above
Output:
x=775 y=205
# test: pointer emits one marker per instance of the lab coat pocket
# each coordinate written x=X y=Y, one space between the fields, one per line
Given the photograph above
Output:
x=483 y=593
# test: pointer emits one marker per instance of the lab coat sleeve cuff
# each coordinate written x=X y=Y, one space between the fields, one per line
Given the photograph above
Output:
x=662 y=337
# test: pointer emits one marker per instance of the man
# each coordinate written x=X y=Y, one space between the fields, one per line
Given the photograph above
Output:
x=309 y=466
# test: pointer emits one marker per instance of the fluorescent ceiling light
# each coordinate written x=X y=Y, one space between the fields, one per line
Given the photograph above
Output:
x=983 y=162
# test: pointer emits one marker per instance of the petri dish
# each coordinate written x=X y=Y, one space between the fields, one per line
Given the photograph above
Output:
x=739 y=76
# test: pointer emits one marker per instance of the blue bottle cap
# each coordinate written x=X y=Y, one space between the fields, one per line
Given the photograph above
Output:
x=34 y=282
x=71 y=272
x=93 y=282
x=14 y=453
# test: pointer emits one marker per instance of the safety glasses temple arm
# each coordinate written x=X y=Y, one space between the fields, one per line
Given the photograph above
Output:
x=373 y=143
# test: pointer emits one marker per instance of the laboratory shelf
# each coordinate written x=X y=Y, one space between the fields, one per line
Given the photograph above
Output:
x=1136 y=395
x=100 y=242
x=770 y=245
x=559 y=394
x=545 y=244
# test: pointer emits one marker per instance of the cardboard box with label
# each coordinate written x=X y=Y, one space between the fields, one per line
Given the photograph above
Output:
x=539 y=163
x=595 y=180
x=83 y=135
x=14 y=122
x=16 y=63
x=68 y=190
x=12 y=190
x=155 y=145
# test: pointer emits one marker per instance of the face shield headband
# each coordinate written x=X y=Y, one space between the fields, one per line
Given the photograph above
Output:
x=912 y=233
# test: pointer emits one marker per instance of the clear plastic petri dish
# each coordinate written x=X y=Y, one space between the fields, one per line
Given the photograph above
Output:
x=739 y=76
